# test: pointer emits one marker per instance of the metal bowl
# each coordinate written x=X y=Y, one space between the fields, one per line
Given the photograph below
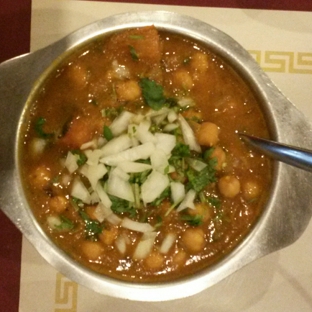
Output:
x=283 y=220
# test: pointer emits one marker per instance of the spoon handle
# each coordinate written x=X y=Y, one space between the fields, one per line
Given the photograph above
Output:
x=297 y=157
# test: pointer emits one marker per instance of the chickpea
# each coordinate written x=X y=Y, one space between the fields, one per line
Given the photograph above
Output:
x=128 y=90
x=200 y=209
x=229 y=186
x=193 y=239
x=219 y=154
x=92 y=250
x=41 y=177
x=207 y=134
x=109 y=236
x=58 y=203
x=251 y=190
x=154 y=261
x=183 y=79
x=179 y=257
x=199 y=62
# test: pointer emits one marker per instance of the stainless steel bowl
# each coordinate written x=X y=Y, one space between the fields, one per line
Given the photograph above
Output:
x=286 y=214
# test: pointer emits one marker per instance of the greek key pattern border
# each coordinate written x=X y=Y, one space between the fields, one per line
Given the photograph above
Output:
x=284 y=62
x=66 y=294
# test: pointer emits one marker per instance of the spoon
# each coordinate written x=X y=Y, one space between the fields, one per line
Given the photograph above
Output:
x=294 y=156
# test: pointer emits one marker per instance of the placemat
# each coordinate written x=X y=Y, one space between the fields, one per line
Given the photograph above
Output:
x=281 y=42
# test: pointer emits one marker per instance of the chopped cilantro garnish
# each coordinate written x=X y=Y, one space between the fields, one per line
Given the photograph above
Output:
x=153 y=93
x=207 y=154
x=181 y=150
x=77 y=203
x=133 y=53
x=136 y=37
x=92 y=227
x=39 y=129
x=112 y=112
x=215 y=202
x=107 y=132
x=195 y=220
x=139 y=177
x=198 y=180
x=66 y=224
x=122 y=206
x=82 y=158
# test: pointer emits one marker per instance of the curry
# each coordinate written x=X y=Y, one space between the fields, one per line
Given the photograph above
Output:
x=131 y=160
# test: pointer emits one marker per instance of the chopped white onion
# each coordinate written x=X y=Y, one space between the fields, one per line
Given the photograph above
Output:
x=153 y=186
x=121 y=244
x=54 y=222
x=159 y=161
x=188 y=135
x=167 y=243
x=170 y=127
x=143 y=151
x=165 y=142
x=160 y=118
x=119 y=187
x=114 y=219
x=196 y=164
x=143 y=134
x=116 y=145
x=130 y=166
x=184 y=102
x=145 y=245
x=71 y=162
x=38 y=145
x=177 y=192
x=136 y=226
x=172 y=116
x=80 y=191
x=100 y=212
x=120 y=173
x=188 y=201
x=91 y=144
x=103 y=195
x=94 y=197
x=94 y=173
x=120 y=123
x=103 y=212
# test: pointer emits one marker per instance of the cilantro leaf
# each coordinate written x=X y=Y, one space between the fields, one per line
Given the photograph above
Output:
x=92 y=227
x=195 y=220
x=122 y=206
x=153 y=93
x=198 y=180
x=66 y=224
x=181 y=150
x=215 y=202
x=39 y=129
x=82 y=158
x=107 y=132
x=133 y=53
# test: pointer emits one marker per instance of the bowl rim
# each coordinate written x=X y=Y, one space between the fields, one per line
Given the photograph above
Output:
x=274 y=230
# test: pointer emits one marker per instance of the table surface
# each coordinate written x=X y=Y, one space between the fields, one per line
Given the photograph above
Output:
x=15 y=19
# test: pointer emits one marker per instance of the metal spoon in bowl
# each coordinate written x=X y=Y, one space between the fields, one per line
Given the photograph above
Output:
x=294 y=156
